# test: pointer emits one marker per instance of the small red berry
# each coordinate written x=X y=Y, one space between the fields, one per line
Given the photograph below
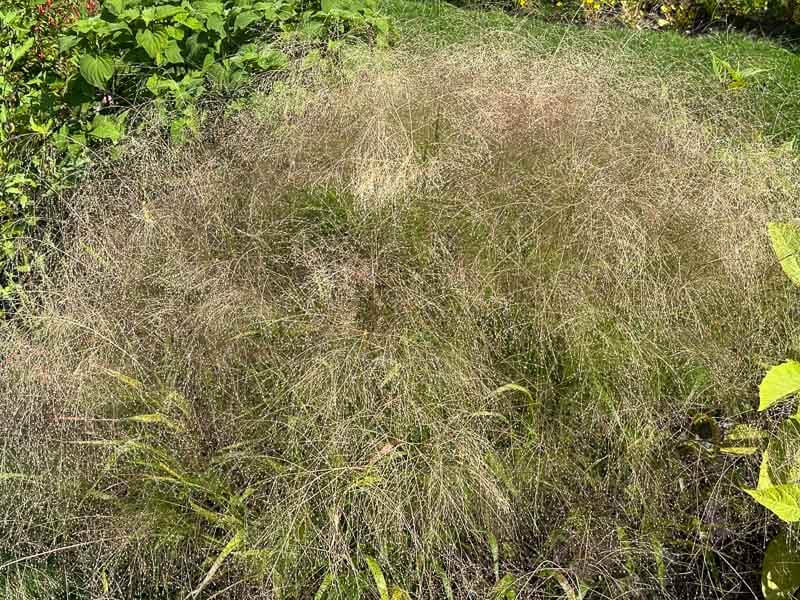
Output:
x=41 y=8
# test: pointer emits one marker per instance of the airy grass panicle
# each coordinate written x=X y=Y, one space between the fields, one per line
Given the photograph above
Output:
x=439 y=301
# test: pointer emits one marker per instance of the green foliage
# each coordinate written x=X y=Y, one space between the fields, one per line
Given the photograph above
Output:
x=780 y=575
x=733 y=78
x=778 y=487
x=71 y=73
x=662 y=14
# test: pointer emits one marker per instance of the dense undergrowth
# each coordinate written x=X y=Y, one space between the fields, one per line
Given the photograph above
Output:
x=77 y=76
x=455 y=323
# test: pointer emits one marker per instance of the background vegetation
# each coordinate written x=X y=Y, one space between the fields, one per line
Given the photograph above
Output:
x=480 y=315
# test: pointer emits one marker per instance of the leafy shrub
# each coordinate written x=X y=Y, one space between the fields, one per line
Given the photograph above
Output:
x=71 y=75
x=667 y=14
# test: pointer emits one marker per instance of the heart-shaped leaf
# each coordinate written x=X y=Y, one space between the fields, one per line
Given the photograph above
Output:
x=97 y=70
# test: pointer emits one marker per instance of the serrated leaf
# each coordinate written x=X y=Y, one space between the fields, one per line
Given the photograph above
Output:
x=208 y=7
x=216 y=24
x=780 y=571
x=785 y=239
x=780 y=381
x=189 y=21
x=271 y=60
x=782 y=500
x=377 y=576
x=97 y=70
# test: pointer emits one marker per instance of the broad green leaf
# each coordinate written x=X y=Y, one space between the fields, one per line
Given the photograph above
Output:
x=781 y=381
x=189 y=21
x=377 y=575
x=115 y=7
x=245 y=19
x=208 y=7
x=785 y=239
x=97 y=70
x=167 y=11
x=216 y=24
x=106 y=127
x=271 y=60
x=782 y=500
x=172 y=53
x=154 y=43
x=780 y=572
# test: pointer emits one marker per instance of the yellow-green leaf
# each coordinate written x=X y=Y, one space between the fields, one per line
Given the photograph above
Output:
x=781 y=381
x=377 y=575
x=785 y=239
x=782 y=500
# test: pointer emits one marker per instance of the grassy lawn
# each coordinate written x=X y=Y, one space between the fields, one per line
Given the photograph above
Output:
x=469 y=317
